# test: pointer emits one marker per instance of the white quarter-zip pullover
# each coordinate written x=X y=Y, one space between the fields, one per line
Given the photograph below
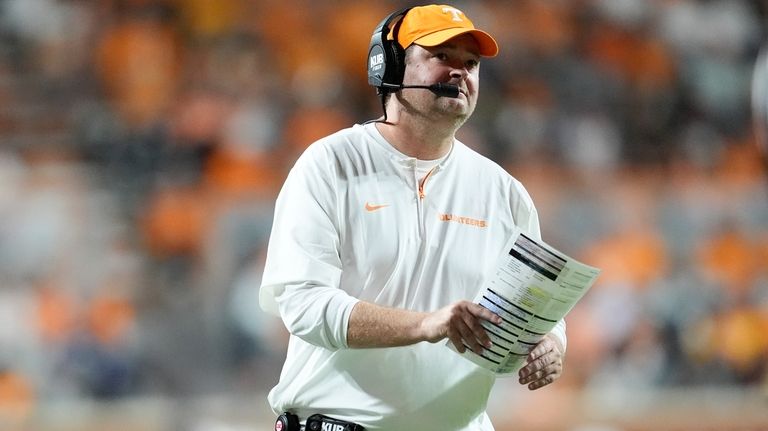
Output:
x=355 y=220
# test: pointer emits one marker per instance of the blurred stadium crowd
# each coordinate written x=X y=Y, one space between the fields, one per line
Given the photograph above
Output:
x=142 y=144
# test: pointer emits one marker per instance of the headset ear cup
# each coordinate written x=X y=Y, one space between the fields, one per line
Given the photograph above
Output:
x=377 y=62
x=386 y=59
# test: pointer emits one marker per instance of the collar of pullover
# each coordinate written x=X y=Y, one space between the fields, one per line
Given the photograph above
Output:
x=405 y=160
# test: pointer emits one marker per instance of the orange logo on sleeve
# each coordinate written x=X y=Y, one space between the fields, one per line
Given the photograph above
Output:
x=371 y=208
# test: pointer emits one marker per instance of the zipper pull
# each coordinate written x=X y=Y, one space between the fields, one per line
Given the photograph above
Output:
x=423 y=182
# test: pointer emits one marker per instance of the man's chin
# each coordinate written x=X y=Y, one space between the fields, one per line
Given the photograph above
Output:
x=459 y=110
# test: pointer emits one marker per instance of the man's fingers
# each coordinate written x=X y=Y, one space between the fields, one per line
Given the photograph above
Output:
x=542 y=371
x=479 y=312
x=541 y=382
x=545 y=346
x=456 y=340
x=544 y=363
x=538 y=373
x=484 y=313
x=462 y=324
x=461 y=335
x=469 y=335
x=478 y=332
x=542 y=377
x=536 y=365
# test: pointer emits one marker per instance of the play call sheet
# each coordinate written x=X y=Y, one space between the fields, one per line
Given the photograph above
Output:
x=532 y=288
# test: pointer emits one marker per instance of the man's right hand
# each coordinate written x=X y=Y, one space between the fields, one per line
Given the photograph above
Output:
x=460 y=322
x=372 y=325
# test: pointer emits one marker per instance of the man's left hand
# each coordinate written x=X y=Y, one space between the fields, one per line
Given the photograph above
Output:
x=544 y=363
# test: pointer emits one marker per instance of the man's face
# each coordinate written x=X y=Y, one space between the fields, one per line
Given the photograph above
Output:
x=455 y=62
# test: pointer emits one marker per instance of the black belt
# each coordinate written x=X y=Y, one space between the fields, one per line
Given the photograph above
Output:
x=290 y=422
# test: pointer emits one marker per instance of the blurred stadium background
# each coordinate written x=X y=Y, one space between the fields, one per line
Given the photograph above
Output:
x=142 y=143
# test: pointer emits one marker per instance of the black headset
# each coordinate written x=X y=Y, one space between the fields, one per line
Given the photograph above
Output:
x=386 y=63
x=386 y=58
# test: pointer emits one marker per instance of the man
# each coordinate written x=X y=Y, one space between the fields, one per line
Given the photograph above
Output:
x=383 y=232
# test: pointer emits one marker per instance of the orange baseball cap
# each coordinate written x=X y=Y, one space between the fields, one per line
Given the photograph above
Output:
x=434 y=24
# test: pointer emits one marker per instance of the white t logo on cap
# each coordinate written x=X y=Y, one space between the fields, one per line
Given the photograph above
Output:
x=455 y=12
